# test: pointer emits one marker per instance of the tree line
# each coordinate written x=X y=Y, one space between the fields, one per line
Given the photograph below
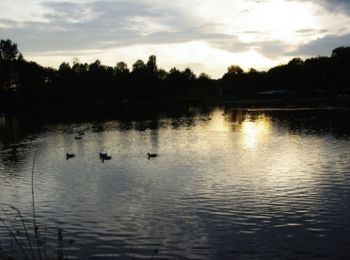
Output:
x=26 y=82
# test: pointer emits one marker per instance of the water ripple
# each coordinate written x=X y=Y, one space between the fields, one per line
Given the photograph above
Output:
x=241 y=186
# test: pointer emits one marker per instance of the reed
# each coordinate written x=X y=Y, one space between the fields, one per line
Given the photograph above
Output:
x=27 y=238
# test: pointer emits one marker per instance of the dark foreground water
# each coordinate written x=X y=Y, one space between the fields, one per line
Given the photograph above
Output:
x=227 y=184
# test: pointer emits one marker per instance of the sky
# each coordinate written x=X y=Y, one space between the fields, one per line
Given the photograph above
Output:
x=205 y=35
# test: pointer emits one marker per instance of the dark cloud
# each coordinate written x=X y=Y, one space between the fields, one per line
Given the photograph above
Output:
x=336 y=5
x=307 y=32
x=272 y=49
x=322 y=46
x=332 y=5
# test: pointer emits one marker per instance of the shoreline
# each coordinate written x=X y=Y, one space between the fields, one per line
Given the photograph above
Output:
x=281 y=103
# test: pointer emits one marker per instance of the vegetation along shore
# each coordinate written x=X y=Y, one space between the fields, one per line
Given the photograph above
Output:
x=318 y=81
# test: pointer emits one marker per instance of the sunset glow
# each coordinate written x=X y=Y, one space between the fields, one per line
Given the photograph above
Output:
x=254 y=132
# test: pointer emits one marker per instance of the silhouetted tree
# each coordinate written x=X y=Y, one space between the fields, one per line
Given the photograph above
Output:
x=139 y=65
x=9 y=77
x=121 y=67
x=152 y=64
x=8 y=50
x=234 y=69
x=23 y=82
x=231 y=81
x=342 y=53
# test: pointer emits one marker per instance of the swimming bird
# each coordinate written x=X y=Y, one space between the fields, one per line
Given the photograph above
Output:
x=102 y=155
x=78 y=137
x=150 y=155
x=69 y=155
x=107 y=157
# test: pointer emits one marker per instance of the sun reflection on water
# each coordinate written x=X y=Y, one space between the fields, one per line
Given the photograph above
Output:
x=255 y=131
x=218 y=123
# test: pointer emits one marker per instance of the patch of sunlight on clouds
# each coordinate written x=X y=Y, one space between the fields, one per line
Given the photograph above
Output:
x=148 y=25
x=275 y=19
x=199 y=56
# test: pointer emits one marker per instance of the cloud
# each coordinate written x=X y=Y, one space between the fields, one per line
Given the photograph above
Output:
x=310 y=31
x=273 y=49
x=102 y=24
x=322 y=45
x=342 y=6
x=336 y=5
x=239 y=32
x=81 y=26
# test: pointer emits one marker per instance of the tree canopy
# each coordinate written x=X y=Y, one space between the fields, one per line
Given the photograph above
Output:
x=8 y=50
x=24 y=82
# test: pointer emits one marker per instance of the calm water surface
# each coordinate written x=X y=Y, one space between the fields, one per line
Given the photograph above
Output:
x=227 y=184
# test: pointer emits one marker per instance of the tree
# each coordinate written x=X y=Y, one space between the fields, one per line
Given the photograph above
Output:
x=152 y=63
x=79 y=68
x=296 y=62
x=341 y=53
x=95 y=66
x=252 y=71
x=8 y=50
x=121 y=67
x=9 y=77
x=138 y=65
x=162 y=74
x=64 y=66
x=188 y=74
x=234 y=69
x=204 y=76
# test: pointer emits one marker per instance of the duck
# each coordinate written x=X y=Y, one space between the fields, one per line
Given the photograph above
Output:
x=69 y=155
x=102 y=155
x=150 y=155
x=78 y=137
x=107 y=157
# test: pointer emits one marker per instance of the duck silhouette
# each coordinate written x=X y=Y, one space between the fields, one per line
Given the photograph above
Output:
x=102 y=155
x=105 y=157
x=151 y=155
x=69 y=156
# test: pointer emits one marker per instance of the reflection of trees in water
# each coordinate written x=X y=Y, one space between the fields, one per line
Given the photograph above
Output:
x=10 y=130
x=18 y=133
x=313 y=121
x=332 y=121
x=10 y=133
x=237 y=116
x=15 y=140
x=13 y=157
x=154 y=136
x=2 y=119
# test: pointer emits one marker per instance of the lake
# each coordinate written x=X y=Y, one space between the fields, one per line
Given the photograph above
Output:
x=226 y=184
